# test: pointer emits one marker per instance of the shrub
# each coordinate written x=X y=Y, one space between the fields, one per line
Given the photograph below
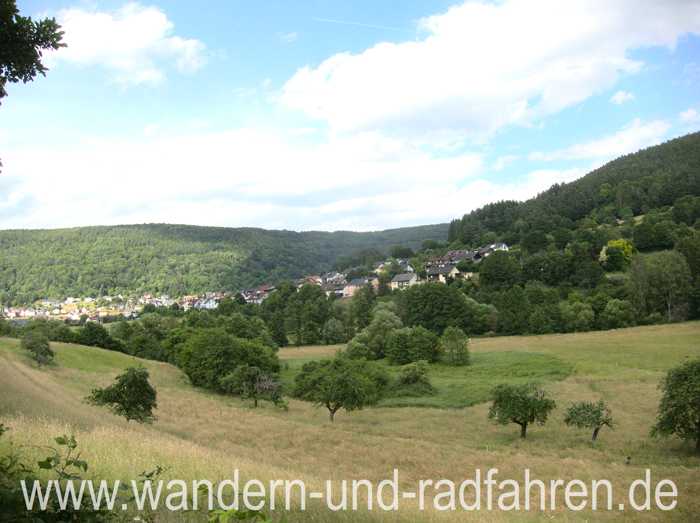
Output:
x=412 y=344
x=413 y=380
x=454 y=345
x=679 y=409
x=37 y=344
x=617 y=314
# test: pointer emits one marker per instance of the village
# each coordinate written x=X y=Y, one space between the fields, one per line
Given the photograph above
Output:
x=342 y=285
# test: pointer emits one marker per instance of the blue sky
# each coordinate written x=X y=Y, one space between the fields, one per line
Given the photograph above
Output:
x=336 y=115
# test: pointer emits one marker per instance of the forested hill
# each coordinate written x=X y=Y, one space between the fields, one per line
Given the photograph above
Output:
x=627 y=187
x=174 y=259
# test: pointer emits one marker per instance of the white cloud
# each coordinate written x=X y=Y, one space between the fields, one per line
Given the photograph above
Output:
x=621 y=97
x=689 y=116
x=503 y=161
x=238 y=177
x=636 y=135
x=484 y=66
x=135 y=43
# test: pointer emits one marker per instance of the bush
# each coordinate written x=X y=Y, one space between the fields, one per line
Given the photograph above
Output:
x=210 y=354
x=412 y=344
x=617 y=314
x=576 y=316
x=454 y=345
x=37 y=344
x=679 y=410
x=413 y=380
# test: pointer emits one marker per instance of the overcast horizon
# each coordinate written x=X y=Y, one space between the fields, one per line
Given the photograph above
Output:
x=321 y=116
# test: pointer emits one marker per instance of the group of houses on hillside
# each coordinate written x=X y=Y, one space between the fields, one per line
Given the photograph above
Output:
x=441 y=269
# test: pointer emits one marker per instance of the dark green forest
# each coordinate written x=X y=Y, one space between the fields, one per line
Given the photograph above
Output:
x=174 y=259
x=632 y=185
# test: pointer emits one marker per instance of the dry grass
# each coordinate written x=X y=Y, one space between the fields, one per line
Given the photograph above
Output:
x=200 y=435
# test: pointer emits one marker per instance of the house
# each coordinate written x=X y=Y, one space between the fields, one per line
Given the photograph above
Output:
x=357 y=283
x=313 y=279
x=404 y=264
x=407 y=279
x=333 y=289
x=442 y=273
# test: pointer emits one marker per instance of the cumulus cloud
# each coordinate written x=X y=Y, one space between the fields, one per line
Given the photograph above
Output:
x=257 y=177
x=689 y=116
x=135 y=43
x=634 y=136
x=483 y=66
x=621 y=97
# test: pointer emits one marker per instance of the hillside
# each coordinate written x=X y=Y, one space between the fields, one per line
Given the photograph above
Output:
x=651 y=179
x=201 y=435
x=174 y=259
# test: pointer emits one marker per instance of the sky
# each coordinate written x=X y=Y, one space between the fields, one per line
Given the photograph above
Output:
x=330 y=115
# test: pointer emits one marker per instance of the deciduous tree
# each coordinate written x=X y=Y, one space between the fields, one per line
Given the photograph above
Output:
x=520 y=404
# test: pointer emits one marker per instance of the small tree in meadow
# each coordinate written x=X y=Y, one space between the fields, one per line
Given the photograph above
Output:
x=520 y=404
x=250 y=382
x=589 y=415
x=679 y=410
x=341 y=383
x=455 y=346
x=130 y=396
x=37 y=344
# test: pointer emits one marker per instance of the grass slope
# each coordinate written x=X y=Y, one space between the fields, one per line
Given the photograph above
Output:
x=200 y=435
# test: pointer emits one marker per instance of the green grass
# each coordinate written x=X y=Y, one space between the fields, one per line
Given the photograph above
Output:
x=201 y=435
x=456 y=387
x=465 y=386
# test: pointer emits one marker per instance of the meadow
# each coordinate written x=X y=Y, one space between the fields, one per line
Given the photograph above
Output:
x=203 y=435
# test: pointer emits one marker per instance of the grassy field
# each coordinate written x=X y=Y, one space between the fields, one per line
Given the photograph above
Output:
x=200 y=435
x=456 y=386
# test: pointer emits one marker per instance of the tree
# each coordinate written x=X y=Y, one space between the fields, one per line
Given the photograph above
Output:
x=412 y=344
x=22 y=42
x=534 y=241
x=250 y=382
x=576 y=316
x=679 y=409
x=130 y=396
x=520 y=404
x=399 y=251
x=589 y=415
x=341 y=383
x=372 y=341
x=500 y=270
x=455 y=346
x=334 y=332
x=617 y=314
x=661 y=282
x=37 y=343
x=210 y=354
x=435 y=306
x=361 y=306
x=94 y=334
